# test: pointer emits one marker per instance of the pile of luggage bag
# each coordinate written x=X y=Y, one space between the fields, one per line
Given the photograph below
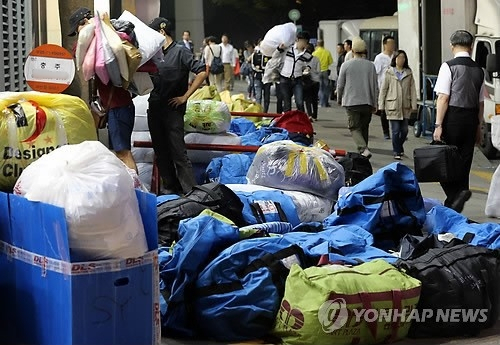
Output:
x=247 y=260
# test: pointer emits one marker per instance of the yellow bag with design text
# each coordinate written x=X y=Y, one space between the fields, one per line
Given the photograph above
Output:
x=33 y=124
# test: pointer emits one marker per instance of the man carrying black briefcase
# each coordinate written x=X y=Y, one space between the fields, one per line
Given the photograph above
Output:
x=460 y=104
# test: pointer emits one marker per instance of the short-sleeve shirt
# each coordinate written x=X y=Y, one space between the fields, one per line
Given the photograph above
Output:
x=172 y=77
x=443 y=82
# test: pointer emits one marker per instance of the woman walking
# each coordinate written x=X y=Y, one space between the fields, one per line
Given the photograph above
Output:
x=398 y=97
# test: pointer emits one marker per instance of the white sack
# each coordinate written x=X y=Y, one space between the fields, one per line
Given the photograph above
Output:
x=150 y=41
x=309 y=207
x=142 y=154
x=204 y=156
x=493 y=202
x=283 y=33
x=97 y=193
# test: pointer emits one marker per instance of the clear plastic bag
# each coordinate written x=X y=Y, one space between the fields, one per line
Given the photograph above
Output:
x=289 y=166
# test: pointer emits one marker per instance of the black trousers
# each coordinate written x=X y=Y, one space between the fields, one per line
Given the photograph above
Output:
x=311 y=100
x=459 y=129
x=166 y=126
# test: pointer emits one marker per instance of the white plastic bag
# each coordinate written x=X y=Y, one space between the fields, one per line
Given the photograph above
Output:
x=202 y=156
x=97 y=193
x=493 y=202
x=142 y=84
x=309 y=207
x=141 y=113
x=495 y=131
x=284 y=33
x=150 y=41
x=85 y=37
x=142 y=154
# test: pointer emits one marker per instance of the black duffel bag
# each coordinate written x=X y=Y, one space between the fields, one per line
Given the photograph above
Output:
x=437 y=162
x=455 y=276
x=214 y=196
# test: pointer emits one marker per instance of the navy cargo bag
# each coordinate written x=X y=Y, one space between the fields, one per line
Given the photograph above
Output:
x=387 y=204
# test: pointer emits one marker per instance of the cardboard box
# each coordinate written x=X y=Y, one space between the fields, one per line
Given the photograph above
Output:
x=46 y=299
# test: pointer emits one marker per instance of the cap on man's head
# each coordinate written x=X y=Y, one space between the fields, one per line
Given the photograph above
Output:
x=462 y=38
x=76 y=17
x=161 y=23
x=358 y=45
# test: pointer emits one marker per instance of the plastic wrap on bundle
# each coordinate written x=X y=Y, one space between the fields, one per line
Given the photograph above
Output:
x=289 y=166
x=33 y=124
x=207 y=116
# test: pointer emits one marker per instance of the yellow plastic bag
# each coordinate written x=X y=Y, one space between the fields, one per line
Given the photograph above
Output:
x=225 y=96
x=33 y=124
x=206 y=92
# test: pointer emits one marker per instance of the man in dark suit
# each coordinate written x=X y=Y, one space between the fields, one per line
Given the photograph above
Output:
x=186 y=41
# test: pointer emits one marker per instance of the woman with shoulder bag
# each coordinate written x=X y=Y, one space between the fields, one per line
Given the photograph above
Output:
x=398 y=97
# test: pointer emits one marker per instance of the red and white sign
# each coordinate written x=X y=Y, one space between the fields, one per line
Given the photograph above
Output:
x=49 y=68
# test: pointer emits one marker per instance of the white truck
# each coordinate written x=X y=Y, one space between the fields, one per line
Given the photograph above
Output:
x=372 y=30
x=425 y=27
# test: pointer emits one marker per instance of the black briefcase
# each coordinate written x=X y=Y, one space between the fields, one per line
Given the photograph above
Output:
x=437 y=162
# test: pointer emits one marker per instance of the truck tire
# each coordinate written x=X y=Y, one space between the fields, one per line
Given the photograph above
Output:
x=485 y=144
x=417 y=129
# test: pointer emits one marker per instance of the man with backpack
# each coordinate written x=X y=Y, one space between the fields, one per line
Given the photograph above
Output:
x=212 y=56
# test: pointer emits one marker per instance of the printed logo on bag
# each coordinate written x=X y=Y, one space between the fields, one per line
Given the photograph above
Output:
x=291 y=318
x=335 y=316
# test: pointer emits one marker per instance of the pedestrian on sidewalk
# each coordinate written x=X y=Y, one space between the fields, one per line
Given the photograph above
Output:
x=398 y=98
x=459 y=112
x=295 y=61
x=211 y=50
x=325 y=58
x=312 y=85
x=382 y=62
x=357 y=91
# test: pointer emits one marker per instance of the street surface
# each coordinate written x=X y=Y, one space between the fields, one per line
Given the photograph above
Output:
x=331 y=127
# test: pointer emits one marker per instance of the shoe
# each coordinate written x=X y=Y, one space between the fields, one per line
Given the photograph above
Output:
x=311 y=119
x=367 y=153
x=460 y=200
x=398 y=157
x=387 y=136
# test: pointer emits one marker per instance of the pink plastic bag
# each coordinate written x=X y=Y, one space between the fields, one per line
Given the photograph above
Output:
x=100 y=60
x=89 y=61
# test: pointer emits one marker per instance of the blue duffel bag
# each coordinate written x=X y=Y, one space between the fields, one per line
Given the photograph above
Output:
x=239 y=293
x=388 y=204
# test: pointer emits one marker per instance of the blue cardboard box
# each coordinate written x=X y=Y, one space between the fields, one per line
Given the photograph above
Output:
x=47 y=299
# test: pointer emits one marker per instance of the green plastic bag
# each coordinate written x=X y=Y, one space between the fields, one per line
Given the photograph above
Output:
x=206 y=116
x=338 y=305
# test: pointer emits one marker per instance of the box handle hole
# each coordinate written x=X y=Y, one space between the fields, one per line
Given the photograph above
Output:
x=122 y=281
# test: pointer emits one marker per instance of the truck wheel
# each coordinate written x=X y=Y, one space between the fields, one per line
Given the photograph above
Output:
x=417 y=129
x=485 y=145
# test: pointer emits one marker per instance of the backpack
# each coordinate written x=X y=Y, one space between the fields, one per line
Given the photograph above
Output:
x=238 y=294
x=214 y=196
x=298 y=125
x=356 y=168
x=216 y=67
x=387 y=204
x=454 y=276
